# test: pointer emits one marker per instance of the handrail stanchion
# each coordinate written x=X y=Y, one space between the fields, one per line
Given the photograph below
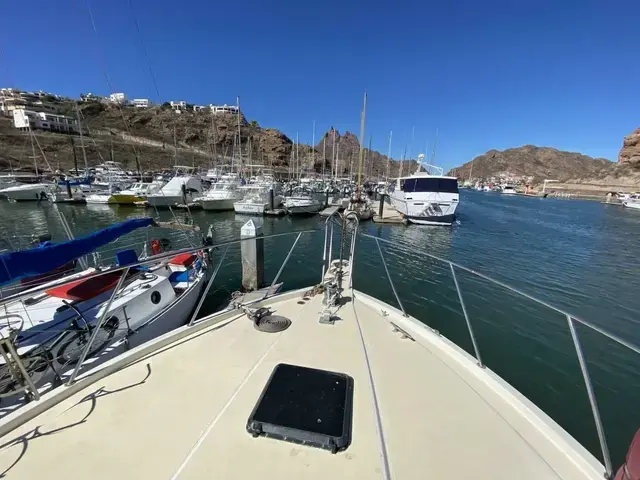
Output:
x=18 y=362
x=85 y=352
x=352 y=249
x=324 y=252
x=206 y=290
x=390 y=281
x=466 y=318
x=592 y=399
x=285 y=260
x=330 y=246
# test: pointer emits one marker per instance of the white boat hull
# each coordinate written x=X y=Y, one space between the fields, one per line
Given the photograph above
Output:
x=25 y=193
x=250 y=208
x=166 y=200
x=630 y=204
x=217 y=204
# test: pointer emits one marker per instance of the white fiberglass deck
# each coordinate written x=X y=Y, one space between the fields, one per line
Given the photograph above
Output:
x=181 y=412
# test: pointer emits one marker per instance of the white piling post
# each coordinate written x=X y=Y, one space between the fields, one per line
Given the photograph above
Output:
x=252 y=253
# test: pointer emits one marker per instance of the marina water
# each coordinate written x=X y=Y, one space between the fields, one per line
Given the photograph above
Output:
x=580 y=256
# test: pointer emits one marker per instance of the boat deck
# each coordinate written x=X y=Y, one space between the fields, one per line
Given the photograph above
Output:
x=421 y=410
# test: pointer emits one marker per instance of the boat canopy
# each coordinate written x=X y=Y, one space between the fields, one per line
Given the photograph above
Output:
x=47 y=257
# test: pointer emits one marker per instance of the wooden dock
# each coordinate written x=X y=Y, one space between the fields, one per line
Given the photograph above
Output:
x=389 y=214
x=327 y=212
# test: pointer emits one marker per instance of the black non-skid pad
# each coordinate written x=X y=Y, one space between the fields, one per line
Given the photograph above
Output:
x=306 y=406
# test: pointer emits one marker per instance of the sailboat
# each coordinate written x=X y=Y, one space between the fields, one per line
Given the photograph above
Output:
x=49 y=324
x=319 y=382
x=29 y=191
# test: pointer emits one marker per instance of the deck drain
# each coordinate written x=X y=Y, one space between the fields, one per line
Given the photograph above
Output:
x=272 y=324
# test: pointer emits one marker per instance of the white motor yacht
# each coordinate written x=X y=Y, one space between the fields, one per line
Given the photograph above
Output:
x=632 y=201
x=426 y=199
x=302 y=201
x=220 y=197
x=27 y=192
x=137 y=193
x=508 y=190
x=179 y=190
x=256 y=199
x=320 y=382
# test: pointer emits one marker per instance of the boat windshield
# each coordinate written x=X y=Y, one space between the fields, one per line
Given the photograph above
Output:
x=428 y=184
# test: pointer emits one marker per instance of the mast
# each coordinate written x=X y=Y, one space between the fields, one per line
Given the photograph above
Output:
x=404 y=154
x=84 y=153
x=333 y=151
x=298 y=155
x=389 y=155
x=33 y=149
x=362 y=127
x=369 y=160
x=337 y=156
x=413 y=134
x=175 y=146
x=239 y=134
x=75 y=157
x=324 y=154
x=313 y=147
x=435 y=145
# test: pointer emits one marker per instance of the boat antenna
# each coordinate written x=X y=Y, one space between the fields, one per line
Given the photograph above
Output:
x=363 y=118
x=435 y=146
x=413 y=134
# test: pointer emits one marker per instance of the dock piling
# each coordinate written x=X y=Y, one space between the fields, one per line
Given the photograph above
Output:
x=252 y=254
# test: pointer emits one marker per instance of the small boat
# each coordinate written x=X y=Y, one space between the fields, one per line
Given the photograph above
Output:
x=27 y=192
x=137 y=193
x=303 y=202
x=632 y=201
x=256 y=199
x=180 y=189
x=509 y=190
x=100 y=198
x=220 y=197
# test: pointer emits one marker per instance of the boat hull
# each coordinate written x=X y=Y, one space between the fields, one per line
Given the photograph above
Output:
x=445 y=220
x=249 y=208
x=26 y=193
x=217 y=204
x=126 y=199
x=165 y=201
x=633 y=205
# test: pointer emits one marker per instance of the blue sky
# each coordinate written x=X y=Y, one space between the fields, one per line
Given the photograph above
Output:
x=487 y=74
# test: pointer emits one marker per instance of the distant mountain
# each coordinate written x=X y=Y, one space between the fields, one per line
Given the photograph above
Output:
x=630 y=152
x=536 y=162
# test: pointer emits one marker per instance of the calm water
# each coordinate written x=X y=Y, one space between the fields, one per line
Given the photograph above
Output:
x=579 y=256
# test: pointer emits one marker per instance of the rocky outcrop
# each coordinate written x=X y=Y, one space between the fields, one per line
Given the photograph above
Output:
x=536 y=162
x=630 y=152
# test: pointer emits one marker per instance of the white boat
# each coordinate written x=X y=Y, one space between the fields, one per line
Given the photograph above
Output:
x=345 y=386
x=137 y=193
x=179 y=190
x=426 y=199
x=256 y=199
x=100 y=198
x=304 y=202
x=508 y=190
x=70 y=195
x=27 y=192
x=220 y=197
x=633 y=201
x=55 y=320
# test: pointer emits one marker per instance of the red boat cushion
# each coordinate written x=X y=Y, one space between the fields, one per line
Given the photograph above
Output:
x=185 y=259
x=86 y=288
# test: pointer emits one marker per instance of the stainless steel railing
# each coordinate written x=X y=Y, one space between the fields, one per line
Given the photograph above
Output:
x=571 y=320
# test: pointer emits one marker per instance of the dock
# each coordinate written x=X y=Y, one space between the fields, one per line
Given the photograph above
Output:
x=389 y=214
x=327 y=212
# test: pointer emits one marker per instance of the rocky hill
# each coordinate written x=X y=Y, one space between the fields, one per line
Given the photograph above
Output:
x=630 y=152
x=158 y=137
x=536 y=162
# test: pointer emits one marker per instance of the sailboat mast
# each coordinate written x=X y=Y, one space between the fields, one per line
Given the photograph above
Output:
x=33 y=150
x=175 y=147
x=404 y=154
x=324 y=154
x=313 y=147
x=239 y=134
x=435 y=146
x=298 y=155
x=337 y=156
x=362 y=127
x=389 y=155
x=84 y=153
x=333 y=151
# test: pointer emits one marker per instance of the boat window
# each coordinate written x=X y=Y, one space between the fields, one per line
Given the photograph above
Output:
x=426 y=184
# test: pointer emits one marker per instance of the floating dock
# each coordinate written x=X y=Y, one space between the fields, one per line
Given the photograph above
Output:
x=327 y=212
x=389 y=215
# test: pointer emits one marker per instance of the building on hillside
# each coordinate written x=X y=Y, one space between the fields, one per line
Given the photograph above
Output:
x=8 y=105
x=141 y=103
x=181 y=105
x=90 y=97
x=215 y=109
x=24 y=119
x=120 y=98
x=199 y=108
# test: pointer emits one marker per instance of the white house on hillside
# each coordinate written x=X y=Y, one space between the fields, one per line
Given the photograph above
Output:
x=23 y=119
x=181 y=105
x=120 y=98
x=215 y=109
x=141 y=103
